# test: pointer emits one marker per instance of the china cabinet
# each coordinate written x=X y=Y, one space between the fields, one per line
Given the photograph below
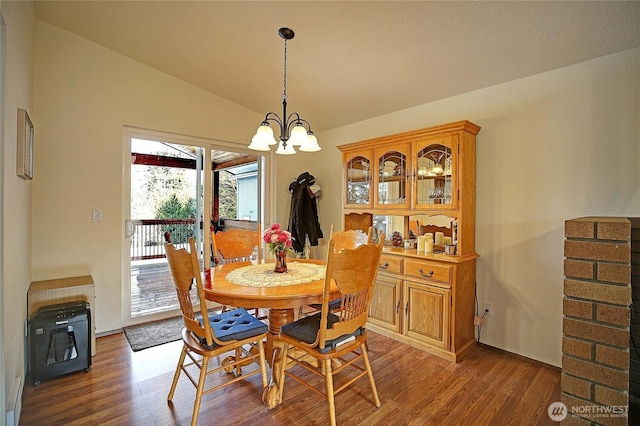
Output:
x=423 y=299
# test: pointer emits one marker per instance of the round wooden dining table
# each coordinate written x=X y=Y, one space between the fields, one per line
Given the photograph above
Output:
x=281 y=301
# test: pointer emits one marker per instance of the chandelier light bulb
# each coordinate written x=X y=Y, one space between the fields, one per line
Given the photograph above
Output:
x=285 y=149
x=262 y=139
x=265 y=132
x=257 y=145
x=311 y=144
x=298 y=135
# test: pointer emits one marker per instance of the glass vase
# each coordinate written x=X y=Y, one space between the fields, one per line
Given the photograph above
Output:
x=281 y=262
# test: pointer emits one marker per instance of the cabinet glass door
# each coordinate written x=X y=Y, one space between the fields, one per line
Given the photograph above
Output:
x=358 y=182
x=434 y=174
x=392 y=180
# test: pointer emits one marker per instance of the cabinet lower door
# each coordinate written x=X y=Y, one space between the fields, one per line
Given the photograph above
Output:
x=385 y=303
x=427 y=313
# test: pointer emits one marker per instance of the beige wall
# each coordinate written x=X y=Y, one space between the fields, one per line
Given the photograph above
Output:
x=16 y=226
x=84 y=95
x=553 y=146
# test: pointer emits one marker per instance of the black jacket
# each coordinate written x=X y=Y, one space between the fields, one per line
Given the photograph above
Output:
x=303 y=214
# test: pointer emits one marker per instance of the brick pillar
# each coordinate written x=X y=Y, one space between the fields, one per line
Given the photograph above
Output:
x=596 y=318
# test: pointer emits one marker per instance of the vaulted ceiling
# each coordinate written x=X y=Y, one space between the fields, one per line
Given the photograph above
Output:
x=350 y=60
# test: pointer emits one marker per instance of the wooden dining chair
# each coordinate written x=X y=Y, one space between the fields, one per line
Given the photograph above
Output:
x=343 y=240
x=350 y=239
x=209 y=336
x=237 y=245
x=342 y=336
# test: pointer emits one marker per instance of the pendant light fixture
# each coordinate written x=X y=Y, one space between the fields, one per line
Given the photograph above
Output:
x=294 y=130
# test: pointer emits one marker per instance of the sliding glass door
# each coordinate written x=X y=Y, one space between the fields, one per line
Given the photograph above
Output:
x=166 y=201
x=179 y=188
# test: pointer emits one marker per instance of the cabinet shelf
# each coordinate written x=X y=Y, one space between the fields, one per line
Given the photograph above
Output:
x=394 y=178
x=438 y=257
x=427 y=177
x=360 y=181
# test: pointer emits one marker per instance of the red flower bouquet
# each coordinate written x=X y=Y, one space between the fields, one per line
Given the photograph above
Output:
x=277 y=239
x=279 y=242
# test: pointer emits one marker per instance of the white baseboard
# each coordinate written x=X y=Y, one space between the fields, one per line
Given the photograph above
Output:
x=14 y=404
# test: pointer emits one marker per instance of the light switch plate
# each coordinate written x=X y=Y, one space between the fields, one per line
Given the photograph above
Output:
x=96 y=215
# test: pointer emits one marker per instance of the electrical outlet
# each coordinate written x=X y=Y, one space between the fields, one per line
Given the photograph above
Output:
x=488 y=306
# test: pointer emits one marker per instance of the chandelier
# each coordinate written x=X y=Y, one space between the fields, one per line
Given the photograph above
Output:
x=294 y=130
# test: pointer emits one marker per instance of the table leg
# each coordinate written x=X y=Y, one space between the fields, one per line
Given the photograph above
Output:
x=277 y=318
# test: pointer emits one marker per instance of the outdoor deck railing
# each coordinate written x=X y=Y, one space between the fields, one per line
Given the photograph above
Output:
x=147 y=241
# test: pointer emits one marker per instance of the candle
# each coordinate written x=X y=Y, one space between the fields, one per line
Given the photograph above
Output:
x=447 y=240
x=421 y=242
x=429 y=236
x=428 y=246
x=439 y=238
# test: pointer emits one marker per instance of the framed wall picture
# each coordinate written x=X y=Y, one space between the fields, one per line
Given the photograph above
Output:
x=24 y=163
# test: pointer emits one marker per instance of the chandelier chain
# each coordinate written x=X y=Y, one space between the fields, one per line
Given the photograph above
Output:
x=284 y=92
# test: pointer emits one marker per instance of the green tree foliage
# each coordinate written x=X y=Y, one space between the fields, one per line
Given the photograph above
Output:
x=151 y=185
x=174 y=208
x=168 y=193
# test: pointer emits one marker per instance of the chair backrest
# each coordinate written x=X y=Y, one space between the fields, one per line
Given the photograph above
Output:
x=354 y=272
x=185 y=268
x=236 y=244
x=350 y=239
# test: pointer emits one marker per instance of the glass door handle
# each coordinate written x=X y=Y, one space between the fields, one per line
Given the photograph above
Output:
x=129 y=228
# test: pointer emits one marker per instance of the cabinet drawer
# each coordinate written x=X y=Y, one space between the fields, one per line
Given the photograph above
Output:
x=428 y=271
x=390 y=264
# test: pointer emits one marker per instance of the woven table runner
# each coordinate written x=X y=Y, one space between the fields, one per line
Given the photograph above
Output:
x=264 y=275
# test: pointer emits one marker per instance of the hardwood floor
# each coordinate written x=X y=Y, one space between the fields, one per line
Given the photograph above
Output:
x=415 y=388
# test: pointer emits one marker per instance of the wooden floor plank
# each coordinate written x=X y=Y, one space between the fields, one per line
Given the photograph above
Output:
x=415 y=388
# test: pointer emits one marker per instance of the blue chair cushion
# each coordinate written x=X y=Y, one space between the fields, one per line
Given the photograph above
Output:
x=306 y=330
x=237 y=324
